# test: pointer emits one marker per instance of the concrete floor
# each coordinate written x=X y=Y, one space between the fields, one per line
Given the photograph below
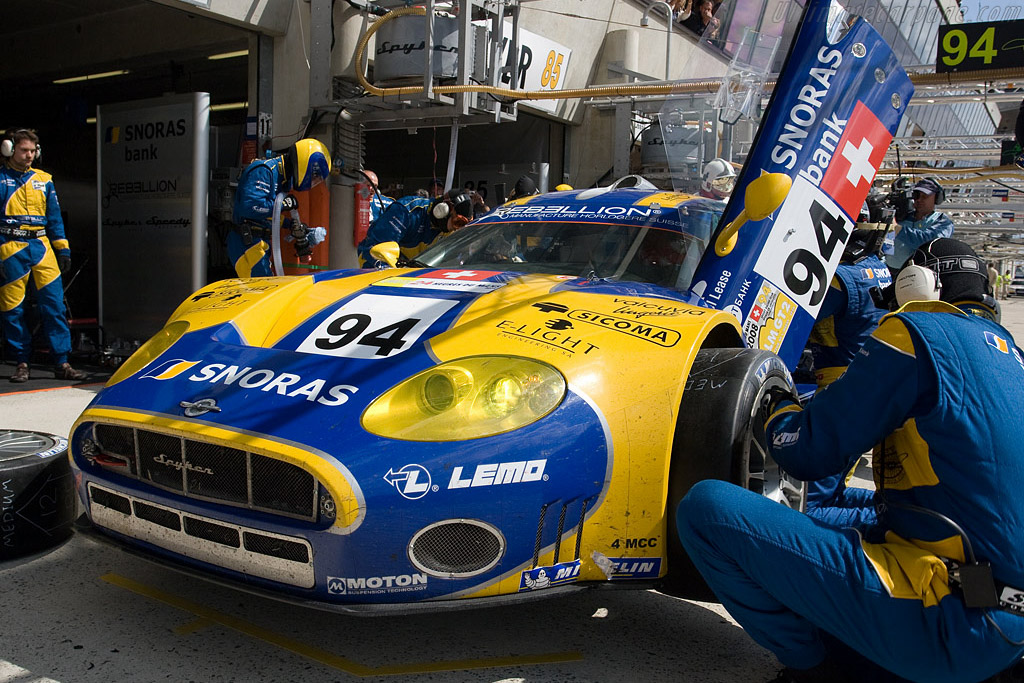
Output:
x=87 y=612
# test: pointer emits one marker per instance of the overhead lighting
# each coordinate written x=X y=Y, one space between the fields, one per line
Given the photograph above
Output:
x=229 y=55
x=92 y=77
x=228 y=106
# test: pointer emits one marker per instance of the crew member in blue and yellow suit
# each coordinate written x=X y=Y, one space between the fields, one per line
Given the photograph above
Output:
x=847 y=317
x=415 y=223
x=32 y=242
x=301 y=167
x=930 y=593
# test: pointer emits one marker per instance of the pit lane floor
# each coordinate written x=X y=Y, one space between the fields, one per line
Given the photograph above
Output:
x=87 y=612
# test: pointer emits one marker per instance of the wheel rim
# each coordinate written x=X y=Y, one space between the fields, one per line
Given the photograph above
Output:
x=15 y=444
x=763 y=475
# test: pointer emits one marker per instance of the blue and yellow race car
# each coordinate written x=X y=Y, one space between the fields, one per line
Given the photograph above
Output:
x=517 y=412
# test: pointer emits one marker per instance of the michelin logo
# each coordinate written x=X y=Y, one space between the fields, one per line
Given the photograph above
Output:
x=264 y=379
x=400 y=583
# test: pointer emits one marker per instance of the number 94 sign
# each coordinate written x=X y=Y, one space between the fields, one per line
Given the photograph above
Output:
x=974 y=47
x=803 y=249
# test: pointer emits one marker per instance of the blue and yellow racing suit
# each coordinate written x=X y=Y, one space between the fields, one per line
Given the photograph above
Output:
x=939 y=390
x=846 y=319
x=248 y=243
x=31 y=231
x=407 y=221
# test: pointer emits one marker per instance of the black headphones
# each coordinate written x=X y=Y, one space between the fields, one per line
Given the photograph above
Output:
x=7 y=146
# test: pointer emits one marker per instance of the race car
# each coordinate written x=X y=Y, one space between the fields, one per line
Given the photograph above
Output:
x=514 y=414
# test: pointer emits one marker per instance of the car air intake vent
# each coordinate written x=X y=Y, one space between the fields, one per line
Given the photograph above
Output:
x=287 y=559
x=456 y=548
x=208 y=471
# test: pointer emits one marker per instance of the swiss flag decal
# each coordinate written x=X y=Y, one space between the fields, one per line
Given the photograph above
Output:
x=460 y=274
x=856 y=160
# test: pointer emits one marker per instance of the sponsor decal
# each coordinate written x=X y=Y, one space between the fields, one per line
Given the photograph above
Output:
x=639 y=309
x=38 y=185
x=59 y=445
x=375 y=326
x=997 y=342
x=859 y=153
x=769 y=318
x=412 y=481
x=398 y=583
x=633 y=567
x=439 y=283
x=264 y=379
x=783 y=439
x=662 y=336
x=559 y=340
x=540 y=578
x=461 y=275
x=768 y=365
x=566 y=211
x=496 y=474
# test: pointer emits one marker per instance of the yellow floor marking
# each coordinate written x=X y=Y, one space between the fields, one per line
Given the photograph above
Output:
x=207 y=615
x=193 y=626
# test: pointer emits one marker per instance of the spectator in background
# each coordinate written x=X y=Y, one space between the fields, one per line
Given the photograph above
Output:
x=993 y=277
x=1004 y=284
x=524 y=187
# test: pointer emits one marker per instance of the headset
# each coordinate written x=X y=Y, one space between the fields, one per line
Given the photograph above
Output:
x=7 y=146
x=917 y=283
x=446 y=205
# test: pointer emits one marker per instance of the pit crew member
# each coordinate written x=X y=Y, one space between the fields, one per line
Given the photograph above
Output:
x=931 y=594
x=302 y=166
x=847 y=317
x=415 y=223
x=32 y=242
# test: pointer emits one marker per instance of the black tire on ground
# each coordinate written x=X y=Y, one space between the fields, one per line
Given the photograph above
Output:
x=720 y=435
x=37 y=493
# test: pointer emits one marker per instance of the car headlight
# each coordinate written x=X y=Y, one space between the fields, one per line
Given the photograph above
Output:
x=466 y=399
x=152 y=349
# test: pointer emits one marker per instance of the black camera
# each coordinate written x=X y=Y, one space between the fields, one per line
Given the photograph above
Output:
x=901 y=198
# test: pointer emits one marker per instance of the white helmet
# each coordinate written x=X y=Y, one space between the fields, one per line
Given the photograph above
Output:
x=718 y=178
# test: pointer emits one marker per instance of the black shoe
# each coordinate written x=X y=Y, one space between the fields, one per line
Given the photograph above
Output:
x=21 y=373
x=65 y=371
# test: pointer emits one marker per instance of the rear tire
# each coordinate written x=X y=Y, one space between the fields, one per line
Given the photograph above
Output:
x=37 y=493
x=720 y=435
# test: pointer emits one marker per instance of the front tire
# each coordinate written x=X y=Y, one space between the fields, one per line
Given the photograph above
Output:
x=720 y=435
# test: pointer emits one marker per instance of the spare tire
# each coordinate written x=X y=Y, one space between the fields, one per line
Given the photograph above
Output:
x=37 y=493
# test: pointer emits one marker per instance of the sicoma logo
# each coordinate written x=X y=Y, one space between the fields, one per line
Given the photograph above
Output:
x=264 y=379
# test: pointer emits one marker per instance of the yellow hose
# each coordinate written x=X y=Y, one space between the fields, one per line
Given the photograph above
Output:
x=709 y=86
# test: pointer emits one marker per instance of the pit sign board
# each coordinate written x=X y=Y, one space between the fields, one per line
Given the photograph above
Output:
x=980 y=46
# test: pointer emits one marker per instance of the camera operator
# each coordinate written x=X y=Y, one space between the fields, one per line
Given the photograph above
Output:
x=925 y=225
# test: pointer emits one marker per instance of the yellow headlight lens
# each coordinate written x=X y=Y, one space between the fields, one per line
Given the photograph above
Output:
x=467 y=399
x=157 y=344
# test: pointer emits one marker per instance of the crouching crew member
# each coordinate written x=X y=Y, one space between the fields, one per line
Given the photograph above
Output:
x=32 y=242
x=302 y=166
x=933 y=592
x=847 y=317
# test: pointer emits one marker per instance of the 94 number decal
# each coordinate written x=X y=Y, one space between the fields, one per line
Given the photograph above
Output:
x=375 y=326
x=805 y=245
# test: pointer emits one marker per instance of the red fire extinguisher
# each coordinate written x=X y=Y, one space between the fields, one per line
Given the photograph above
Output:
x=363 y=193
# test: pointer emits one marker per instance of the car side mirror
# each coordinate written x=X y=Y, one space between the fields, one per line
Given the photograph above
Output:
x=762 y=197
x=387 y=252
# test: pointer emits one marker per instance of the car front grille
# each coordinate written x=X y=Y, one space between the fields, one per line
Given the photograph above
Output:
x=285 y=559
x=207 y=471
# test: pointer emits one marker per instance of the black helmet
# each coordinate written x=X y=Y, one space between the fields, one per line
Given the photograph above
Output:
x=455 y=201
x=524 y=187
x=961 y=274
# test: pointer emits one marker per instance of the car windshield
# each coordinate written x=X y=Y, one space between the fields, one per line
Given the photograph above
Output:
x=638 y=253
